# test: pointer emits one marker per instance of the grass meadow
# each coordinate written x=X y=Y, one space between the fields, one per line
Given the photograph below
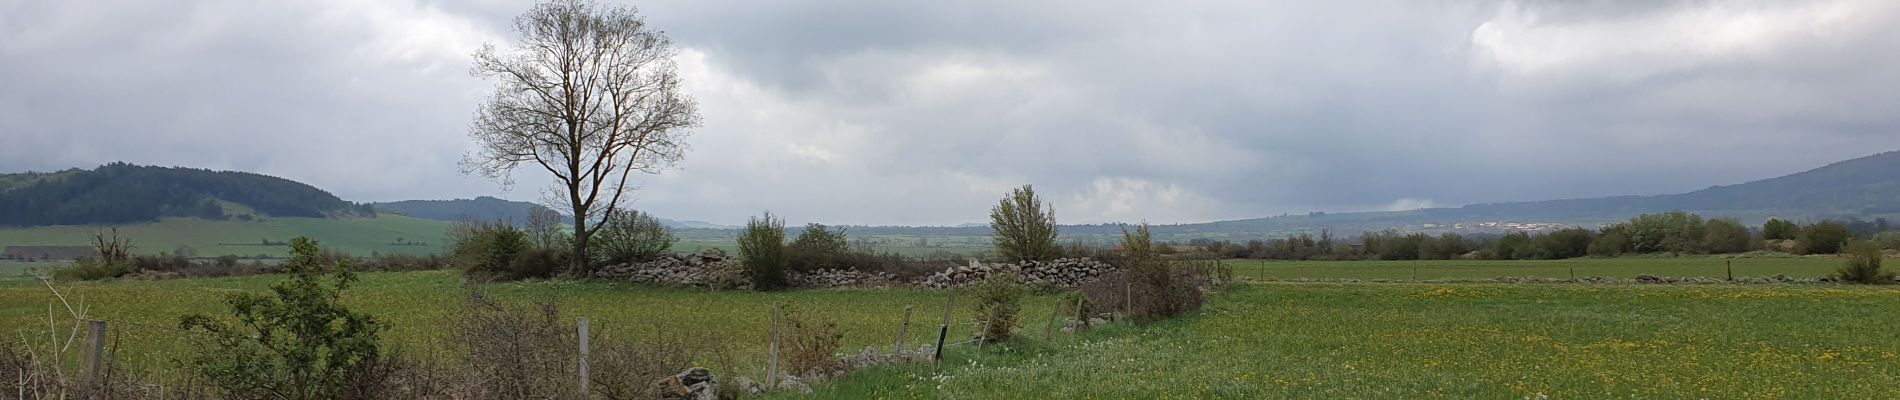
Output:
x=1454 y=341
x=1621 y=268
x=1254 y=340
x=242 y=238
x=421 y=305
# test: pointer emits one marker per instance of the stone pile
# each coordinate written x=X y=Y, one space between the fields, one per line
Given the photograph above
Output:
x=672 y=270
x=830 y=278
x=1066 y=272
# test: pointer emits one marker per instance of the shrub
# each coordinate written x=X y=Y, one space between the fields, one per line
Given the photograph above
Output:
x=1779 y=229
x=1726 y=236
x=811 y=346
x=1863 y=265
x=1565 y=243
x=301 y=344
x=1673 y=231
x=1611 y=243
x=1023 y=227
x=490 y=250
x=91 y=270
x=1146 y=289
x=1825 y=237
x=762 y=251
x=818 y=247
x=1512 y=246
x=999 y=298
x=630 y=236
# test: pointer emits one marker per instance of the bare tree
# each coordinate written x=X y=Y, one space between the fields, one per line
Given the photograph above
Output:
x=544 y=226
x=590 y=94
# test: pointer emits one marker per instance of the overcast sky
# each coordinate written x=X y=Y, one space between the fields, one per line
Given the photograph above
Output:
x=882 y=112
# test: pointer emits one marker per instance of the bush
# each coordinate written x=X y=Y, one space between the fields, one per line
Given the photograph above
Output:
x=1825 y=237
x=811 y=346
x=532 y=352
x=1146 y=289
x=1565 y=243
x=818 y=247
x=91 y=270
x=1778 y=229
x=1673 y=231
x=999 y=297
x=1726 y=236
x=301 y=344
x=628 y=237
x=1863 y=265
x=1611 y=243
x=1023 y=227
x=762 y=251
x=492 y=250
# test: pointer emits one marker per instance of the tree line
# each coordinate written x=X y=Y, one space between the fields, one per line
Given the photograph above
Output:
x=1673 y=232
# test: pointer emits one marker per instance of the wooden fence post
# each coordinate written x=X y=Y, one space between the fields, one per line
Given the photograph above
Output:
x=1054 y=314
x=95 y=349
x=943 y=331
x=1128 y=296
x=771 y=367
x=1414 y=270
x=1573 y=272
x=582 y=324
x=1731 y=270
x=903 y=332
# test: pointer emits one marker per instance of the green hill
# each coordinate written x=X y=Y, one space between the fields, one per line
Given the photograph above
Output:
x=356 y=235
x=482 y=208
x=121 y=193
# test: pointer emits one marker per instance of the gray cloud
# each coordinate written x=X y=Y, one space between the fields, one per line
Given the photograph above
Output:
x=924 y=113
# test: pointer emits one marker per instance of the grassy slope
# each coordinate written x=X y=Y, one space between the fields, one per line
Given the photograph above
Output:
x=1626 y=267
x=1489 y=341
x=211 y=238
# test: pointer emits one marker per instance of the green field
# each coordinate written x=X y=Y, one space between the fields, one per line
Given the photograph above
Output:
x=19 y=270
x=210 y=238
x=1621 y=268
x=420 y=304
x=1456 y=341
x=1262 y=340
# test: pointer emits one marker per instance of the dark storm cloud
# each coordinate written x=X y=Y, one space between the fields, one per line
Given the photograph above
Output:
x=910 y=112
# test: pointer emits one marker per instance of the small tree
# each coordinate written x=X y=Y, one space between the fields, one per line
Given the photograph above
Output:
x=1726 y=235
x=1825 y=237
x=633 y=236
x=818 y=247
x=1863 y=265
x=1023 y=227
x=762 y=251
x=998 y=299
x=301 y=343
x=1779 y=229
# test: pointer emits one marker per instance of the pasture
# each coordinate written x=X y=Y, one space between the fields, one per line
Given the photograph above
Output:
x=210 y=238
x=420 y=306
x=1620 y=268
x=1455 y=341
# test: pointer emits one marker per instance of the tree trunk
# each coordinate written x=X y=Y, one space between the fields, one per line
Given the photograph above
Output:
x=579 y=269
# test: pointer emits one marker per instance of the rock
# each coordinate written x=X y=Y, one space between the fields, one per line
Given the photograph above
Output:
x=791 y=383
x=1067 y=272
x=692 y=384
x=748 y=385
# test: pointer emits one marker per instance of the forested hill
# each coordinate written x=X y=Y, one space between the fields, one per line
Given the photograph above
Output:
x=482 y=208
x=121 y=193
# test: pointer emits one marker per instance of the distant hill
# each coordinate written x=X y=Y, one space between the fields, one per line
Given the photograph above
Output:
x=1861 y=188
x=482 y=208
x=120 y=193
